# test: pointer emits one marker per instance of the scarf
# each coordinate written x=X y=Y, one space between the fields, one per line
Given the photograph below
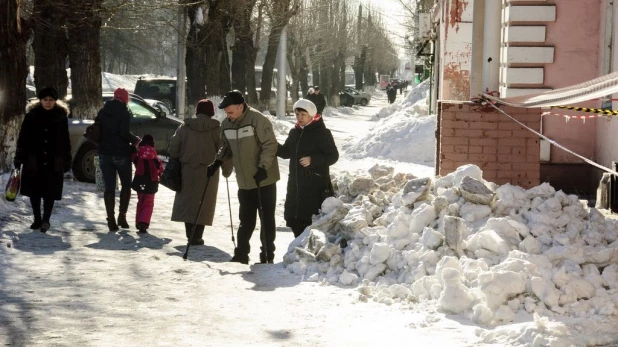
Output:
x=315 y=119
x=148 y=154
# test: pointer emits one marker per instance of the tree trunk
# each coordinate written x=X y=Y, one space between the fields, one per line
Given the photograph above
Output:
x=14 y=34
x=50 y=47
x=195 y=60
x=250 y=62
x=85 y=57
x=243 y=45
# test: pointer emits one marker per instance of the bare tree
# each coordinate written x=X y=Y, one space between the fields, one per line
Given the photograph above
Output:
x=243 y=49
x=14 y=34
x=85 y=59
x=280 y=12
x=50 y=46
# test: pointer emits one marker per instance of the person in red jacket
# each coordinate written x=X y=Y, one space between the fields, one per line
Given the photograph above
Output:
x=148 y=169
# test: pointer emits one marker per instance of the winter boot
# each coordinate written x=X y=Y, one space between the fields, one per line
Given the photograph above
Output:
x=110 y=201
x=197 y=236
x=239 y=258
x=263 y=259
x=44 y=226
x=125 y=196
x=37 y=223
x=142 y=228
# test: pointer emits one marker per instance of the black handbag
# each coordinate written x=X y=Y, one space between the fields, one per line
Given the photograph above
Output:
x=93 y=132
x=172 y=176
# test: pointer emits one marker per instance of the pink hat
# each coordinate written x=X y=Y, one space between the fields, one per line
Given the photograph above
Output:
x=122 y=95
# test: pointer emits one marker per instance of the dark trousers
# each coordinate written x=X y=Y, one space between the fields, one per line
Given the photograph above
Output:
x=145 y=205
x=298 y=226
x=110 y=165
x=48 y=205
x=248 y=199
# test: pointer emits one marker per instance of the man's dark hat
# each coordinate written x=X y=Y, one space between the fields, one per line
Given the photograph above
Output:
x=47 y=91
x=233 y=97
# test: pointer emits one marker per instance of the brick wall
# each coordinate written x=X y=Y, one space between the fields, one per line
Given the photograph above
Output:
x=480 y=135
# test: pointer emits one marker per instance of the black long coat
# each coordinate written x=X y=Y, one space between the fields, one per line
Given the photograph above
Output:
x=308 y=186
x=44 y=148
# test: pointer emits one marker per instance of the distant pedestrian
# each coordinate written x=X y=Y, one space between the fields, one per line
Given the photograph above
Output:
x=44 y=149
x=391 y=93
x=250 y=143
x=318 y=99
x=115 y=149
x=311 y=150
x=195 y=145
x=148 y=169
x=309 y=93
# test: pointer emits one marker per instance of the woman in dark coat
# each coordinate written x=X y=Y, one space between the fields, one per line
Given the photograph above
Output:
x=311 y=149
x=44 y=149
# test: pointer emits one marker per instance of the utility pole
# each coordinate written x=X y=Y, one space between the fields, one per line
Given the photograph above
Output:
x=181 y=70
x=282 y=90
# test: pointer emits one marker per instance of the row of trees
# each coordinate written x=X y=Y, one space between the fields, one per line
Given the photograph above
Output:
x=225 y=39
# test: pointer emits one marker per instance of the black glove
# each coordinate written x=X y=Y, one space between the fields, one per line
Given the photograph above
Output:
x=260 y=175
x=212 y=168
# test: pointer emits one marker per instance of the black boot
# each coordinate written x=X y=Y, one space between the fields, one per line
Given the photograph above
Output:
x=197 y=236
x=36 y=211
x=45 y=226
x=239 y=258
x=110 y=201
x=125 y=196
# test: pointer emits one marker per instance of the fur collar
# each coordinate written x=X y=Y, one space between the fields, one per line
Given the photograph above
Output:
x=35 y=103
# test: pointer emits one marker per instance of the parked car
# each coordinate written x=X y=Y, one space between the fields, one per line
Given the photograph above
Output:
x=146 y=120
x=162 y=89
x=360 y=98
x=160 y=106
x=346 y=99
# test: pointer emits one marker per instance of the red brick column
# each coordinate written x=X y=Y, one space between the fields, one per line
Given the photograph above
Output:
x=480 y=135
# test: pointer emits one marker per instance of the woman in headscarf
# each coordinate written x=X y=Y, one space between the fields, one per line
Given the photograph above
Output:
x=44 y=149
x=195 y=145
x=311 y=149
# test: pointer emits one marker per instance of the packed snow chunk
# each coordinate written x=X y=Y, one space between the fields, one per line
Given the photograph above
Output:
x=431 y=238
x=531 y=245
x=347 y=278
x=421 y=217
x=473 y=212
x=399 y=228
x=466 y=170
x=481 y=314
x=545 y=290
x=378 y=171
x=327 y=252
x=510 y=198
x=491 y=241
x=500 y=286
x=352 y=224
x=404 y=293
x=327 y=222
x=454 y=229
x=416 y=190
x=427 y=287
x=331 y=204
x=379 y=253
x=455 y=298
x=475 y=191
x=544 y=191
x=362 y=185
x=503 y=314
x=374 y=271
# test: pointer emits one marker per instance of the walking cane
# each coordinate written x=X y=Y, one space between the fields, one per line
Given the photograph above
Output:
x=262 y=231
x=230 y=206
x=199 y=212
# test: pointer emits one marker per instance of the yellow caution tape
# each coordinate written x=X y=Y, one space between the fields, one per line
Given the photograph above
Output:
x=590 y=110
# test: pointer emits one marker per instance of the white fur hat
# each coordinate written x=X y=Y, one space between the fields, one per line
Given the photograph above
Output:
x=307 y=106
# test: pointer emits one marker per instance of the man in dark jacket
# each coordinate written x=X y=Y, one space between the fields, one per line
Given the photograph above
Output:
x=115 y=149
x=250 y=142
x=317 y=99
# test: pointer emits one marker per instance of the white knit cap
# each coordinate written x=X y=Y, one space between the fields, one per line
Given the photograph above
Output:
x=307 y=106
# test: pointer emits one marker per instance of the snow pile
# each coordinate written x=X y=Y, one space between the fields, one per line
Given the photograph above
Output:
x=477 y=249
x=414 y=102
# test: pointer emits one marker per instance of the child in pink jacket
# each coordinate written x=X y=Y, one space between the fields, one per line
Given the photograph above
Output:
x=148 y=169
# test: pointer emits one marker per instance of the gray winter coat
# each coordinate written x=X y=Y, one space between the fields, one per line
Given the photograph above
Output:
x=195 y=144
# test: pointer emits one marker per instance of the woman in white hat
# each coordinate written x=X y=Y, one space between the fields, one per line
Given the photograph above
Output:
x=311 y=149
